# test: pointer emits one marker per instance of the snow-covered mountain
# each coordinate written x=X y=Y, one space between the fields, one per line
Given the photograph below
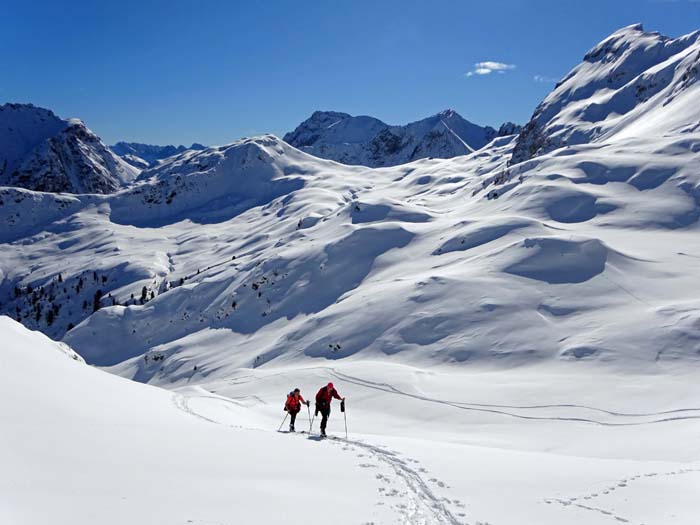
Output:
x=633 y=84
x=148 y=155
x=368 y=141
x=287 y=254
x=528 y=307
x=42 y=152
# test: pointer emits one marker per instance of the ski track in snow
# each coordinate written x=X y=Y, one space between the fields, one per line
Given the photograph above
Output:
x=582 y=501
x=424 y=506
x=419 y=505
x=634 y=418
x=182 y=402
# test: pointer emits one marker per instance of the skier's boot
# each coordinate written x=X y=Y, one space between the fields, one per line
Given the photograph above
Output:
x=291 y=428
x=323 y=432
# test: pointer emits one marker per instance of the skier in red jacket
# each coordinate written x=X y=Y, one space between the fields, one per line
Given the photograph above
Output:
x=323 y=404
x=293 y=406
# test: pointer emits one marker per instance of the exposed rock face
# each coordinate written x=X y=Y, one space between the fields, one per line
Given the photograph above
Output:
x=41 y=152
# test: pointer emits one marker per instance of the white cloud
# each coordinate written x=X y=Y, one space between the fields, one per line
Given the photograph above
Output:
x=489 y=66
x=545 y=79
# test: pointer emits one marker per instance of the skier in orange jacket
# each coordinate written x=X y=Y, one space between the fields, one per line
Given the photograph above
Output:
x=293 y=406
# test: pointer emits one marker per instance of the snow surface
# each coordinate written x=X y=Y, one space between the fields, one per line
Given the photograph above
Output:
x=424 y=446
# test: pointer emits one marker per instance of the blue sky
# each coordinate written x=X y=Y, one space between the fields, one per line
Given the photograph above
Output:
x=212 y=72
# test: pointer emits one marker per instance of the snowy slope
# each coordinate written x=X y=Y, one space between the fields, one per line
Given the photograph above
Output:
x=575 y=258
x=41 y=152
x=283 y=255
x=81 y=446
x=424 y=447
x=633 y=84
x=137 y=154
x=370 y=142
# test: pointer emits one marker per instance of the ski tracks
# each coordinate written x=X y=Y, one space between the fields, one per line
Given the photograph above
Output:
x=547 y=412
x=182 y=402
x=401 y=479
x=590 y=501
x=417 y=502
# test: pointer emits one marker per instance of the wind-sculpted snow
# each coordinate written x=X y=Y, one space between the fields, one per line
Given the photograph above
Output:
x=480 y=233
x=25 y=213
x=558 y=261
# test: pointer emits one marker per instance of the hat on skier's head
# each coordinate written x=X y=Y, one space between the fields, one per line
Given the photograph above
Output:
x=297 y=390
x=330 y=385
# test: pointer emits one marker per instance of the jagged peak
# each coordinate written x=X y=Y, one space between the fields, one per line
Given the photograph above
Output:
x=18 y=107
x=509 y=128
x=622 y=39
x=322 y=113
x=123 y=143
x=632 y=28
x=447 y=114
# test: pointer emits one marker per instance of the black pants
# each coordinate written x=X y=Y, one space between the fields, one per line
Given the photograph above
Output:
x=293 y=416
x=325 y=414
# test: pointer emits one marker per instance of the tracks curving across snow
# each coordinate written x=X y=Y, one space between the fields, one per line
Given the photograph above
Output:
x=183 y=402
x=568 y=412
x=416 y=501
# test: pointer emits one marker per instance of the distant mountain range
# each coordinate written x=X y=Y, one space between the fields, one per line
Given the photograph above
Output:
x=43 y=152
x=357 y=140
x=370 y=142
x=146 y=155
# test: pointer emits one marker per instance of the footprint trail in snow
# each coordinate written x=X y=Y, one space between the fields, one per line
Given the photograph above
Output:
x=418 y=503
x=401 y=479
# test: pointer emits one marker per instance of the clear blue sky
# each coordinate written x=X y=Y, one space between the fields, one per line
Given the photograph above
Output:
x=183 y=71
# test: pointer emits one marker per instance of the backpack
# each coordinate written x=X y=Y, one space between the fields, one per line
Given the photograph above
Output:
x=290 y=397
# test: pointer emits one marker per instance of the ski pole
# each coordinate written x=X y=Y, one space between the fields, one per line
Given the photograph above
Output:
x=345 y=415
x=282 y=424
x=310 y=420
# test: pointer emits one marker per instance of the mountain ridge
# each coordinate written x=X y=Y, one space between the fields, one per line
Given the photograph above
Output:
x=367 y=141
x=633 y=83
x=148 y=155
